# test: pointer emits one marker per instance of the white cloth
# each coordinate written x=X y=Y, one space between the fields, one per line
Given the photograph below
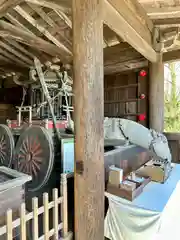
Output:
x=154 y=215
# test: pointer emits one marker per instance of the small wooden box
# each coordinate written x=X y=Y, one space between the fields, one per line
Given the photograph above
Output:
x=156 y=173
x=127 y=194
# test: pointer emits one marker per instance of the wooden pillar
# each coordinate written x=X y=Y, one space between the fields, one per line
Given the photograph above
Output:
x=156 y=95
x=89 y=118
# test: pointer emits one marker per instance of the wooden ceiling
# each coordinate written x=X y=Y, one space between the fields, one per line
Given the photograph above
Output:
x=165 y=14
x=43 y=28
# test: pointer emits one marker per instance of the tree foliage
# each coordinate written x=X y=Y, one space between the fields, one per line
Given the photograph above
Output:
x=172 y=102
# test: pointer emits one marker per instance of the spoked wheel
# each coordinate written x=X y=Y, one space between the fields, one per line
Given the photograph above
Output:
x=34 y=155
x=6 y=146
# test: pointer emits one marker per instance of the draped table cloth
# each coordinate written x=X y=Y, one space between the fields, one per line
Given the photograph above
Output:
x=154 y=215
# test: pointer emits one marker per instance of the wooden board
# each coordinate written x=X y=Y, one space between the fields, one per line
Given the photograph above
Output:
x=129 y=195
x=121 y=96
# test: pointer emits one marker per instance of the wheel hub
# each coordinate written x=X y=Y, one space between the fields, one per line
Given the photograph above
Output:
x=29 y=157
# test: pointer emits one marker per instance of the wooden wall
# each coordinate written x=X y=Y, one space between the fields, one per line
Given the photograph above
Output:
x=9 y=99
x=122 y=96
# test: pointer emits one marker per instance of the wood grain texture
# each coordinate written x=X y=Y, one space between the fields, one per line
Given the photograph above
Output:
x=7 y=5
x=12 y=32
x=133 y=12
x=121 y=98
x=156 y=96
x=89 y=117
x=42 y=29
x=131 y=27
x=171 y=56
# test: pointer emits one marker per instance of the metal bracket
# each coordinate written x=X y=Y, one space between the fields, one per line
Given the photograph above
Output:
x=79 y=167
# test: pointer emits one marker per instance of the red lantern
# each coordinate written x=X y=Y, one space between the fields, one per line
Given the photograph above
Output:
x=142 y=73
x=142 y=96
x=141 y=117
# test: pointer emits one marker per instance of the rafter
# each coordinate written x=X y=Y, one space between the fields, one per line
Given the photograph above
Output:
x=50 y=22
x=130 y=25
x=34 y=23
x=15 y=52
x=14 y=21
x=122 y=57
x=125 y=67
x=6 y=5
x=64 y=6
x=171 y=56
x=12 y=58
x=163 y=12
x=20 y=48
x=4 y=59
x=167 y=22
x=64 y=17
x=10 y=31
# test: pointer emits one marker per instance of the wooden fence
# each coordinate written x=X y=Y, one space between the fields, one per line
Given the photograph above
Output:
x=59 y=230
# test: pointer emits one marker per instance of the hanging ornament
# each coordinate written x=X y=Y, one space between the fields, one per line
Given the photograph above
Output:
x=142 y=73
x=141 y=117
x=142 y=96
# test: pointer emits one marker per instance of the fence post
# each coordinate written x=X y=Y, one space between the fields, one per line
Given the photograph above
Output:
x=55 y=213
x=35 y=218
x=9 y=225
x=23 y=221
x=64 y=206
x=46 y=216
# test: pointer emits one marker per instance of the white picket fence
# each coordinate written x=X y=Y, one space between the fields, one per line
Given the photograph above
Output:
x=59 y=231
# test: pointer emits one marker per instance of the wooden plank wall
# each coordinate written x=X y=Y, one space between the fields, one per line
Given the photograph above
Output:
x=122 y=96
x=9 y=99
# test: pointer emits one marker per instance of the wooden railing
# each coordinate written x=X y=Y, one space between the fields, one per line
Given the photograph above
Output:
x=59 y=230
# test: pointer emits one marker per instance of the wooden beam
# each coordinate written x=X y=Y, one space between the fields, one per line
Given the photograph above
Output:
x=156 y=96
x=7 y=5
x=89 y=118
x=120 y=53
x=171 y=56
x=43 y=30
x=169 y=33
x=65 y=18
x=20 y=48
x=126 y=66
x=14 y=21
x=130 y=27
x=122 y=58
x=4 y=59
x=64 y=6
x=10 y=67
x=16 y=53
x=12 y=32
x=51 y=23
x=167 y=22
x=163 y=12
x=42 y=14
x=13 y=58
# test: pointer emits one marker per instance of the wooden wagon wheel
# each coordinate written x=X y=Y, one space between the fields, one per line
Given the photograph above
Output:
x=6 y=146
x=34 y=155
